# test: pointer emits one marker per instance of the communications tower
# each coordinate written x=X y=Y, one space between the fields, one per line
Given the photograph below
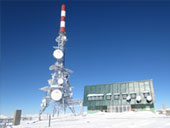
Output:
x=59 y=91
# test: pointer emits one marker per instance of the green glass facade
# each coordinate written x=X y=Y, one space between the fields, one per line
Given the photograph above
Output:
x=119 y=97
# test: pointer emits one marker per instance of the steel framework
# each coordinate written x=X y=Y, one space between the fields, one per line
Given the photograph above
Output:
x=59 y=92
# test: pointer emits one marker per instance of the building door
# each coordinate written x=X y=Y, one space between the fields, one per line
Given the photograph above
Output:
x=148 y=108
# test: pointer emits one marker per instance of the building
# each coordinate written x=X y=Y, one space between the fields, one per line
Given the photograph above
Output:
x=119 y=97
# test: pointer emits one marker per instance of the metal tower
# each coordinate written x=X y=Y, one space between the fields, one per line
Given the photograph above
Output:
x=59 y=92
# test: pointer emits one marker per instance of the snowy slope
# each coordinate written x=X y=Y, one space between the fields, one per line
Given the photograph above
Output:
x=102 y=120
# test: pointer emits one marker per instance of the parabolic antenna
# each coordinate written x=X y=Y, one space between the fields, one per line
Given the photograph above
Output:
x=149 y=98
x=58 y=54
x=128 y=98
x=42 y=105
x=56 y=95
x=50 y=81
x=60 y=81
x=138 y=98
x=70 y=89
x=44 y=101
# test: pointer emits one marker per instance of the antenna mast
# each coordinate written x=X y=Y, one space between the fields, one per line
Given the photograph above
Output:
x=59 y=92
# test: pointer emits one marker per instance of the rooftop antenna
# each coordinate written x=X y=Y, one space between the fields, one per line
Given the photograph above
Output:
x=59 y=92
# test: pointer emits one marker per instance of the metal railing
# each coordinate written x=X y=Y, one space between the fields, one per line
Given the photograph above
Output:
x=6 y=123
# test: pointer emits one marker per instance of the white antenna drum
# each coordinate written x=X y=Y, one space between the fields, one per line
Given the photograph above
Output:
x=138 y=98
x=60 y=81
x=149 y=98
x=58 y=54
x=56 y=95
x=128 y=98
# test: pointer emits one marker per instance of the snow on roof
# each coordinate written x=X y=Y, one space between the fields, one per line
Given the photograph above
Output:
x=109 y=94
x=95 y=95
x=132 y=92
x=124 y=93
x=116 y=93
x=145 y=91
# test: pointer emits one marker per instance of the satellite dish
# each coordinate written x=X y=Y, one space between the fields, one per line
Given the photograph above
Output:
x=50 y=81
x=65 y=38
x=60 y=81
x=138 y=98
x=70 y=89
x=149 y=98
x=56 y=95
x=42 y=105
x=58 y=54
x=44 y=101
x=128 y=98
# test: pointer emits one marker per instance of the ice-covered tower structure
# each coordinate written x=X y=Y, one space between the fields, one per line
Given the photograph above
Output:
x=59 y=92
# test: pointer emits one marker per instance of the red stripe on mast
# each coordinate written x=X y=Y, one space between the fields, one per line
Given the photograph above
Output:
x=63 y=18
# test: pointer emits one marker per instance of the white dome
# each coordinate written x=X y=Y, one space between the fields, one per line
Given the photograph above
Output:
x=149 y=98
x=56 y=95
x=50 y=81
x=58 y=54
x=44 y=101
x=65 y=38
x=138 y=98
x=42 y=105
x=70 y=89
x=128 y=98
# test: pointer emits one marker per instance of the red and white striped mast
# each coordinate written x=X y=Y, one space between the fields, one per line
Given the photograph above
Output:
x=63 y=19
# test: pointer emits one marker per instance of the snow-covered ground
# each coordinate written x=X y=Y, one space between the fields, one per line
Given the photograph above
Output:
x=102 y=120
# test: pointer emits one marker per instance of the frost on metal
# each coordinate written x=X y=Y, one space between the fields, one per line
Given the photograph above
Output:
x=59 y=91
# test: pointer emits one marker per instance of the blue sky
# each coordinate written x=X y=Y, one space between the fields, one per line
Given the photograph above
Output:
x=107 y=42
